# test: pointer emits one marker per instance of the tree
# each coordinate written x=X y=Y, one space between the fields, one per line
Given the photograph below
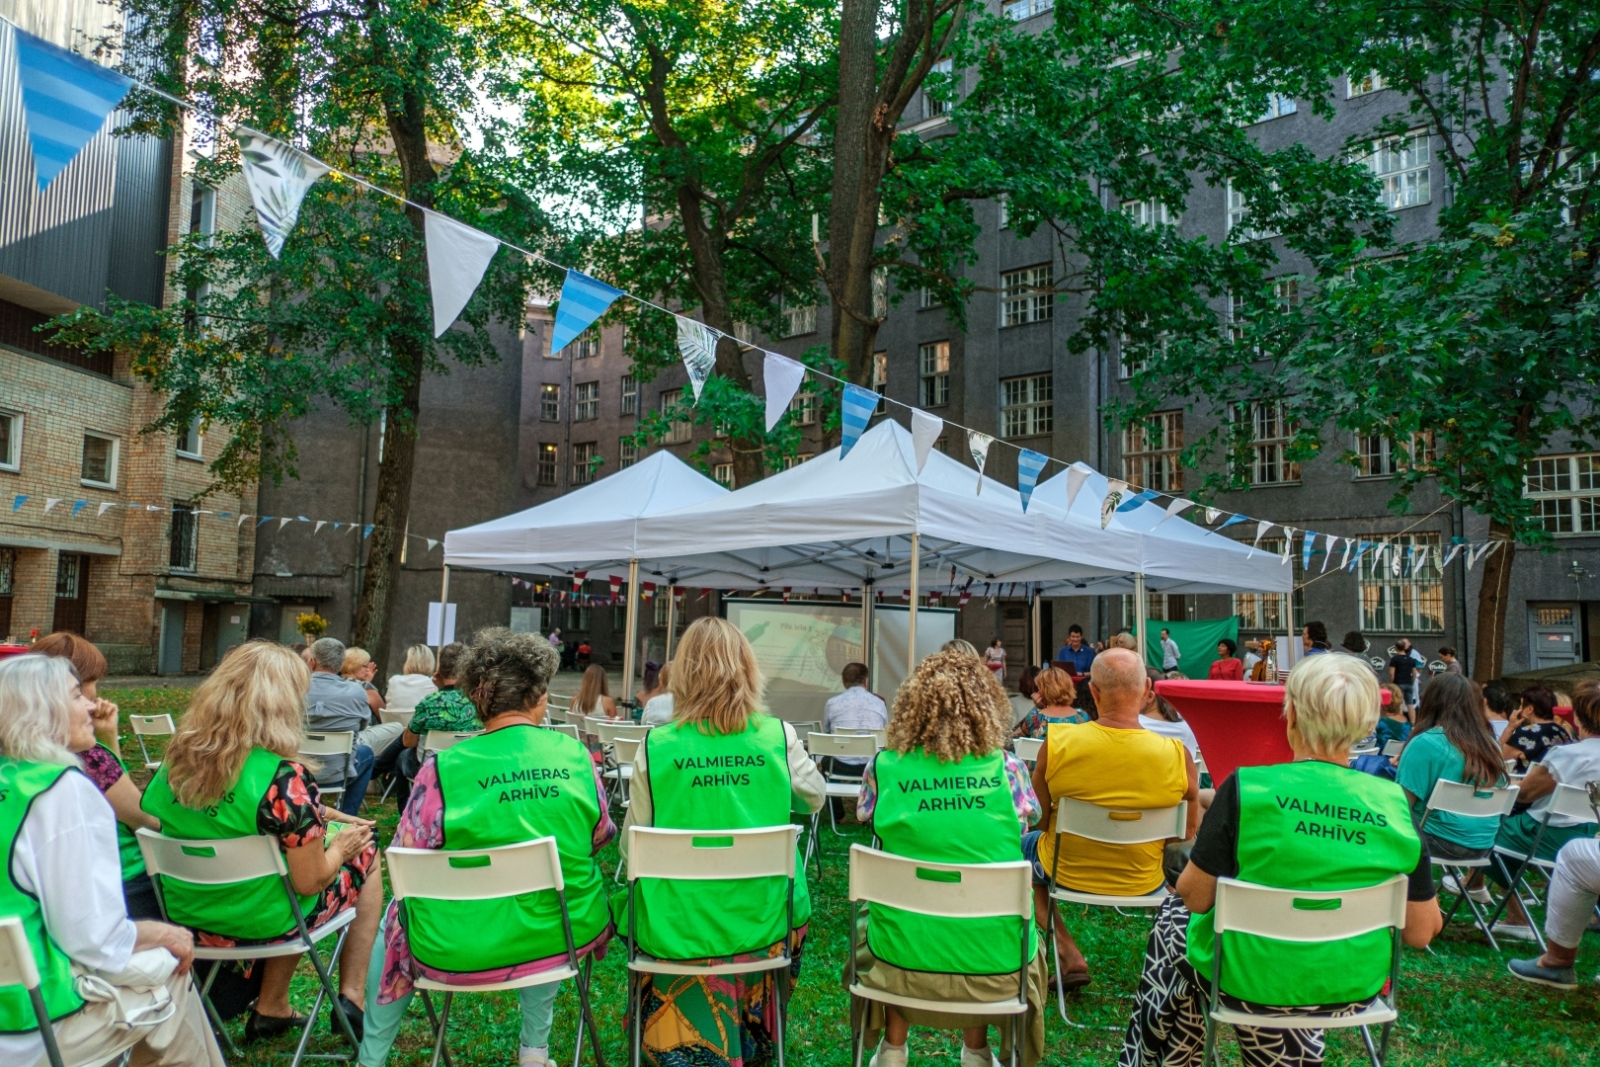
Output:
x=344 y=317
x=1472 y=350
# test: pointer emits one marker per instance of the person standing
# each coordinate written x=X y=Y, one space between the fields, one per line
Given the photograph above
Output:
x=1313 y=638
x=1452 y=665
x=1075 y=656
x=1170 y=653
x=1226 y=667
x=1403 y=671
x=994 y=657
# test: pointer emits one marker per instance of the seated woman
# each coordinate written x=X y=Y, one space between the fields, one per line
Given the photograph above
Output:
x=717 y=1021
x=949 y=723
x=1393 y=725
x=107 y=771
x=1053 y=695
x=231 y=770
x=447 y=710
x=650 y=684
x=1450 y=742
x=359 y=667
x=414 y=682
x=1227 y=667
x=457 y=803
x=1330 y=703
x=658 y=709
x=1532 y=730
x=65 y=887
x=594 y=695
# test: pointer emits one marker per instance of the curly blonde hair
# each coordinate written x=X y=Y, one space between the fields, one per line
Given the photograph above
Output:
x=951 y=707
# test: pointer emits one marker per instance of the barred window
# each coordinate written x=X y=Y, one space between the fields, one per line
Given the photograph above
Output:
x=1401 y=593
x=630 y=395
x=1565 y=491
x=550 y=403
x=1402 y=164
x=1270 y=434
x=584 y=461
x=549 y=465
x=1264 y=612
x=677 y=431
x=8 y=568
x=934 y=362
x=1026 y=406
x=1150 y=457
x=585 y=401
x=1025 y=295
x=185 y=537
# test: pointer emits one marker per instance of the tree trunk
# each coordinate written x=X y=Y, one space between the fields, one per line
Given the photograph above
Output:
x=1488 y=653
x=857 y=172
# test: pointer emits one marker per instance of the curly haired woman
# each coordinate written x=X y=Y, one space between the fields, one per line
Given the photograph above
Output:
x=946 y=790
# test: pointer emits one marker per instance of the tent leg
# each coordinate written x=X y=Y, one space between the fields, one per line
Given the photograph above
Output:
x=911 y=623
x=672 y=619
x=631 y=630
x=1039 y=654
x=1141 y=614
x=866 y=624
x=444 y=607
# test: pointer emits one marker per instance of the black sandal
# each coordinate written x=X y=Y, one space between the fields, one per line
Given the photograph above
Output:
x=260 y=1027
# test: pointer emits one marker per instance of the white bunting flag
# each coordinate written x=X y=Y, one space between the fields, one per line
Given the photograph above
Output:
x=1262 y=526
x=1288 y=543
x=1333 y=539
x=978 y=444
x=1349 y=543
x=457 y=257
x=318 y=527
x=432 y=544
x=1077 y=474
x=240 y=522
x=278 y=176
x=1448 y=556
x=697 y=344
x=1175 y=508
x=50 y=502
x=925 y=431
x=284 y=522
x=782 y=377
x=1394 y=562
x=1114 y=490
x=1212 y=515
x=104 y=507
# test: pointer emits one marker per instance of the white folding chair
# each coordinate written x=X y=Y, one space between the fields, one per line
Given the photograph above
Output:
x=18 y=967
x=1027 y=748
x=609 y=730
x=1570 y=801
x=705 y=855
x=554 y=713
x=228 y=861
x=1307 y=917
x=1473 y=803
x=491 y=874
x=958 y=891
x=562 y=728
x=1393 y=748
x=151 y=726
x=841 y=785
x=403 y=716
x=439 y=740
x=801 y=729
x=328 y=749
x=1112 y=826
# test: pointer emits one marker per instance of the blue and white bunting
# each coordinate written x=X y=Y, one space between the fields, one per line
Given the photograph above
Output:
x=583 y=299
x=781 y=377
x=1029 y=466
x=1136 y=499
x=1333 y=539
x=1077 y=475
x=855 y=411
x=1233 y=519
x=1176 y=507
x=925 y=431
x=458 y=255
x=65 y=101
x=1307 y=549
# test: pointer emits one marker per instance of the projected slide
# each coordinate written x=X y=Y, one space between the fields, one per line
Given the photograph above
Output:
x=801 y=647
x=935 y=626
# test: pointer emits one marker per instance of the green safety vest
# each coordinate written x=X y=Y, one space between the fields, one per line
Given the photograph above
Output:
x=19 y=783
x=957 y=812
x=1311 y=825
x=253 y=910
x=502 y=788
x=127 y=843
x=702 y=780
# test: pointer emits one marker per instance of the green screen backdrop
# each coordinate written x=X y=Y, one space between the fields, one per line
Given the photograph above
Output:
x=1197 y=640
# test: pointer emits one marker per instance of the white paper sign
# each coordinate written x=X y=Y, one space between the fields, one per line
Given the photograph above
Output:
x=448 y=614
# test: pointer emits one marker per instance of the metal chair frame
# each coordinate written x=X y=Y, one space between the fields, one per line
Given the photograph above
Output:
x=1472 y=802
x=151 y=726
x=1568 y=800
x=18 y=967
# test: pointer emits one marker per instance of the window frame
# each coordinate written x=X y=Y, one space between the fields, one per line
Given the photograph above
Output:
x=1021 y=302
x=584 y=454
x=627 y=453
x=933 y=385
x=113 y=462
x=1027 y=8
x=189 y=530
x=549 y=402
x=1254 y=607
x=880 y=379
x=1395 y=194
x=1154 y=467
x=1367 y=579
x=1384 y=454
x=585 y=401
x=722 y=474
x=678 y=431
x=1036 y=413
x=1573 y=506
x=932 y=107
x=548 y=466
x=803 y=405
x=199 y=449
x=16 y=422
x=1259 y=444
x=629 y=394
x=799 y=320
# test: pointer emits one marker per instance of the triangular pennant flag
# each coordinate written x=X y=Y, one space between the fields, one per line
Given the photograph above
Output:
x=1176 y=507
x=1306 y=549
x=65 y=101
x=978 y=444
x=697 y=344
x=1333 y=539
x=1361 y=548
x=457 y=257
x=79 y=505
x=278 y=176
x=925 y=431
x=1421 y=561
x=1233 y=519
x=1344 y=560
x=1211 y=515
x=50 y=502
x=781 y=377
x=302 y=518
x=1288 y=544
x=1395 y=561
x=578 y=578
x=1136 y=499
x=583 y=299
x=1114 y=491
x=367 y=531
x=855 y=411
x=240 y=522
x=284 y=522
x=432 y=544
x=1262 y=527
x=1077 y=474
x=18 y=500
x=104 y=507
x=152 y=507
x=1029 y=466
x=318 y=527
x=1449 y=556
x=615 y=583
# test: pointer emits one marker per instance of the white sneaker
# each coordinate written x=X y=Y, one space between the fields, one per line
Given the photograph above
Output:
x=1452 y=884
x=534 y=1057
x=888 y=1057
x=971 y=1057
x=1518 y=931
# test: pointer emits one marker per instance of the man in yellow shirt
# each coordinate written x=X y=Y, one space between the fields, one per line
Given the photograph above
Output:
x=1113 y=762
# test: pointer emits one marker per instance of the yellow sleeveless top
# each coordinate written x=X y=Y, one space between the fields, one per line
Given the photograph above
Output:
x=1114 y=769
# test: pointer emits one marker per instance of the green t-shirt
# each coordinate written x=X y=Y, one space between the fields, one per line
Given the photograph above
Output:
x=1429 y=757
x=448 y=711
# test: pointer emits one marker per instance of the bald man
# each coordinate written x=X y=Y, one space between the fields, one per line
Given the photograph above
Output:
x=1113 y=762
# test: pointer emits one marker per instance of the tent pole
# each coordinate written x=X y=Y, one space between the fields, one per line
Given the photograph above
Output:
x=672 y=619
x=866 y=624
x=911 y=624
x=444 y=607
x=631 y=629
x=1141 y=613
x=1038 y=653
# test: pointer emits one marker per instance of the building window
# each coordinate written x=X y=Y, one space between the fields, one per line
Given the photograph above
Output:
x=1403 y=164
x=550 y=403
x=190 y=443
x=804 y=408
x=549 y=465
x=1025 y=295
x=1025 y=9
x=100 y=460
x=1565 y=491
x=10 y=441
x=722 y=473
x=585 y=459
x=1370 y=82
x=1264 y=612
x=587 y=344
x=627 y=453
x=1379 y=456
x=677 y=431
x=926 y=298
x=1286 y=291
x=934 y=363
x=1270 y=434
x=1150 y=457
x=791 y=462
x=798 y=320
x=1149 y=213
x=1278 y=105
x=8 y=568
x=578 y=619
x=880 y=379
x=69 y=576
x=185 y=538
x=585 y=401
x=630 y=395
x=1026 y=408
x=1002 y=206
x=880 y=292
x=1397 y=594
x=939 y=89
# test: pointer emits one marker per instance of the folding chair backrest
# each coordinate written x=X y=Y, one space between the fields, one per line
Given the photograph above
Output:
x=475 y=874
x=702 y=855
x=1393 y=747
x=1471 y=801
x=860 y=746
x=327 y=743
x=610 y=732
x=947 y=890
x=1571 y=801
x=439 y=740
x=592 y=723
x=562 y=728
x=1309 y=915
x=17 y=965
x=801 y=729
x=152 y=725
x=554 y=714
x=403 y=717
x=220 y=861
x=1027 y=748
x=1120 y=826
x=626 y=749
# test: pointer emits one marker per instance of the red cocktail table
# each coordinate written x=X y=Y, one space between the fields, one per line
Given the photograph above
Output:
x=1238 y=724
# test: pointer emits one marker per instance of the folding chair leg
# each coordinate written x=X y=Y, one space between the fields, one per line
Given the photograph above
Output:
x=635 y=1017
x=586 y=1016
x=778 y=1020
x=858 y=1030
x=47 y=1033
x=211 y=1011
x=433 y=1021
x=332 y=993
x=1061 y=985
x=1383 y=1040
x=444 y=1025
x=1209 y=1055
x=1372 y=1050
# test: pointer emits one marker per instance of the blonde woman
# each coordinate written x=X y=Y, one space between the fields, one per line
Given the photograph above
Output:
x=359 y=668
x=414 y=682
x=717 y=692
x=231 y=771
x=949 y=728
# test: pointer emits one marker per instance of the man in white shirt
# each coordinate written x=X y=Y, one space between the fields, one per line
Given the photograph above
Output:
x=856 y=710
x=1170 y=654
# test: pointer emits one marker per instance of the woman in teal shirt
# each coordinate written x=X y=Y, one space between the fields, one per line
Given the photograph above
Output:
x=1451 y=742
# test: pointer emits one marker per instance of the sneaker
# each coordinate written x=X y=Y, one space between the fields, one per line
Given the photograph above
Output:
x=533 y=1057
x=1453 y=885
x=972 y=1057
x=889 y=1057
x=1518 y=931
x=1530 y=971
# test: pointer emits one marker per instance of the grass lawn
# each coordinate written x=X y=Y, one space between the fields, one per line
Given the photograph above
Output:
x=1458 y=1004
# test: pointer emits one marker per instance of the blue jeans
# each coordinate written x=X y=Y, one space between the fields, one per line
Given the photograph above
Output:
x=355 y=784
x=1030 y=852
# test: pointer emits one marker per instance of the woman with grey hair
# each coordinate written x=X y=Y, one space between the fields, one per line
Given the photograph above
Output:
x=64 y=882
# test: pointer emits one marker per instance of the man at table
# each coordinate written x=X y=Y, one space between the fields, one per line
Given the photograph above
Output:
x=1075 y=656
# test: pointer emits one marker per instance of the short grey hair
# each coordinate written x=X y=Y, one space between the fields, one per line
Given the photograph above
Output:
x=35 y=718
x=327 y=653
